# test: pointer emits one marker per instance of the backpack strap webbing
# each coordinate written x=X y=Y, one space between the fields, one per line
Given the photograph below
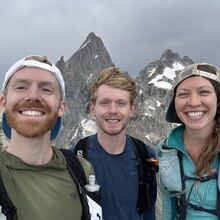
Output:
x=78 y=175
x=146 y=171
x=81 y=148
x=182 y=202
x=8 y=209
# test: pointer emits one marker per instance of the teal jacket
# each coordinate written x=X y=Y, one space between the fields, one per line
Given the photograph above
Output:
x=202 y=194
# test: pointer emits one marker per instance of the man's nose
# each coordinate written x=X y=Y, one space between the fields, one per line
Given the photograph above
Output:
x=113 y=107
x=33 y=93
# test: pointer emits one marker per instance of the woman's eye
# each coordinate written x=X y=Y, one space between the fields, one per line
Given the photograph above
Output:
x=182 y=95
x=205 y=92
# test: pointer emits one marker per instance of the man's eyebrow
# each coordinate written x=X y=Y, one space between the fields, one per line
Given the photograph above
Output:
x=27 y=81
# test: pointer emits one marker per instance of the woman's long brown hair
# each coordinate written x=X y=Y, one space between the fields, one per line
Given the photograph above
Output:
x=210 y=151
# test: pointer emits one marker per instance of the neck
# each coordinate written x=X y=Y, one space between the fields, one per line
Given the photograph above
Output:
x=195 y=142
x=113 y=144
x=198 y=136
x=34 y=151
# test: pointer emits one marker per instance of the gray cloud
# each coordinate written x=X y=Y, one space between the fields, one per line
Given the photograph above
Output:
x=134 y=32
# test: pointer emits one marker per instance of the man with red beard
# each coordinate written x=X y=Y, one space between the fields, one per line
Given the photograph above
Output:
x=113 y=154
x=34 y=173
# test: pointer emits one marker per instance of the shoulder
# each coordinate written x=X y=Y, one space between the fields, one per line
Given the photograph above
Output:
x=139 y=142
x=159 y=146
x=82 y=142
x=76 y=161
x=150 y=151
x=88 y=169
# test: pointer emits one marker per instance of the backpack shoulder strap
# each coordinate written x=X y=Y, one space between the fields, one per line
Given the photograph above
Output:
x=140 y=146
x=147 y=175
x=181 y=208
x=75 y=165
x=8 y=209
x=143 y=154
x=183 y=202
x=81 y=148
x=78 y=175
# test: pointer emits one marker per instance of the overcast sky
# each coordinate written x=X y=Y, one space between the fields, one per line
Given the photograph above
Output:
x=134 y=32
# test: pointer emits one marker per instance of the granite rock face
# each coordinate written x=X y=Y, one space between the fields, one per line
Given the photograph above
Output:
x=79 y=71
x=154 y=86
x=154 y=93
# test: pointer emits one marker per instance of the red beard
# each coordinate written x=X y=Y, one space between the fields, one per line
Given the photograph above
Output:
x=31 y=128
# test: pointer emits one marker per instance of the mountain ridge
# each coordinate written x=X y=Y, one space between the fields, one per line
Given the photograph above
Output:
x=154 y=93
x=154 y=84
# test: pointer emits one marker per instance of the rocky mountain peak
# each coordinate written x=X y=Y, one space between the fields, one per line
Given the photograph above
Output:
x=168 y=58
x=154 y=84
x=79 y=71
x=91 y=36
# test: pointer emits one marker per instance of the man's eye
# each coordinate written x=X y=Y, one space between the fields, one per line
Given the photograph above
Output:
x=21 y=88
x=103 y=103
x=121 y=103
x=46 y=90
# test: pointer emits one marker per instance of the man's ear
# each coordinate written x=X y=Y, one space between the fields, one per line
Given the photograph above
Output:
x=92 y=108
x=62 y=109
x=133 y=109
x=2 y=103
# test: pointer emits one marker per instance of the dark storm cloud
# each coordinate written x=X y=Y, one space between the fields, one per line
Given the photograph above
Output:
x=134 y=32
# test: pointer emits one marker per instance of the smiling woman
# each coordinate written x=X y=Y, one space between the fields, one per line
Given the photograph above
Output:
x=191 y=150
x=196 y=103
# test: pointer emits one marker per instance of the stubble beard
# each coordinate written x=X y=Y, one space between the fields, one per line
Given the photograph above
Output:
x=111 y=131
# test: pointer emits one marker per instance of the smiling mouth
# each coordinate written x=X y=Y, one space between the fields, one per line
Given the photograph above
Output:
x=32 y=113
x=113 y=120
x=195 y=114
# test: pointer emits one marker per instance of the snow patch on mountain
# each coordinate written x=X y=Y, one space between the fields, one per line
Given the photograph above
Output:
x=168 y=73
x=89 y=127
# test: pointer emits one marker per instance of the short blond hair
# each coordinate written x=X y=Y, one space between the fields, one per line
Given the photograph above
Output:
x=114 y=78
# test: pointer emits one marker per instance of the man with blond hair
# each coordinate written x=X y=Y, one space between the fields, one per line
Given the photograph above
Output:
x=126 y=189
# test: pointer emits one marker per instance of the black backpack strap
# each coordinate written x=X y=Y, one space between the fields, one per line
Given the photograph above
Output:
x=150 y=163
x=181 y=201
x=8 y=209
x=147 y=177
x=77 y=173
x=81 y=148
